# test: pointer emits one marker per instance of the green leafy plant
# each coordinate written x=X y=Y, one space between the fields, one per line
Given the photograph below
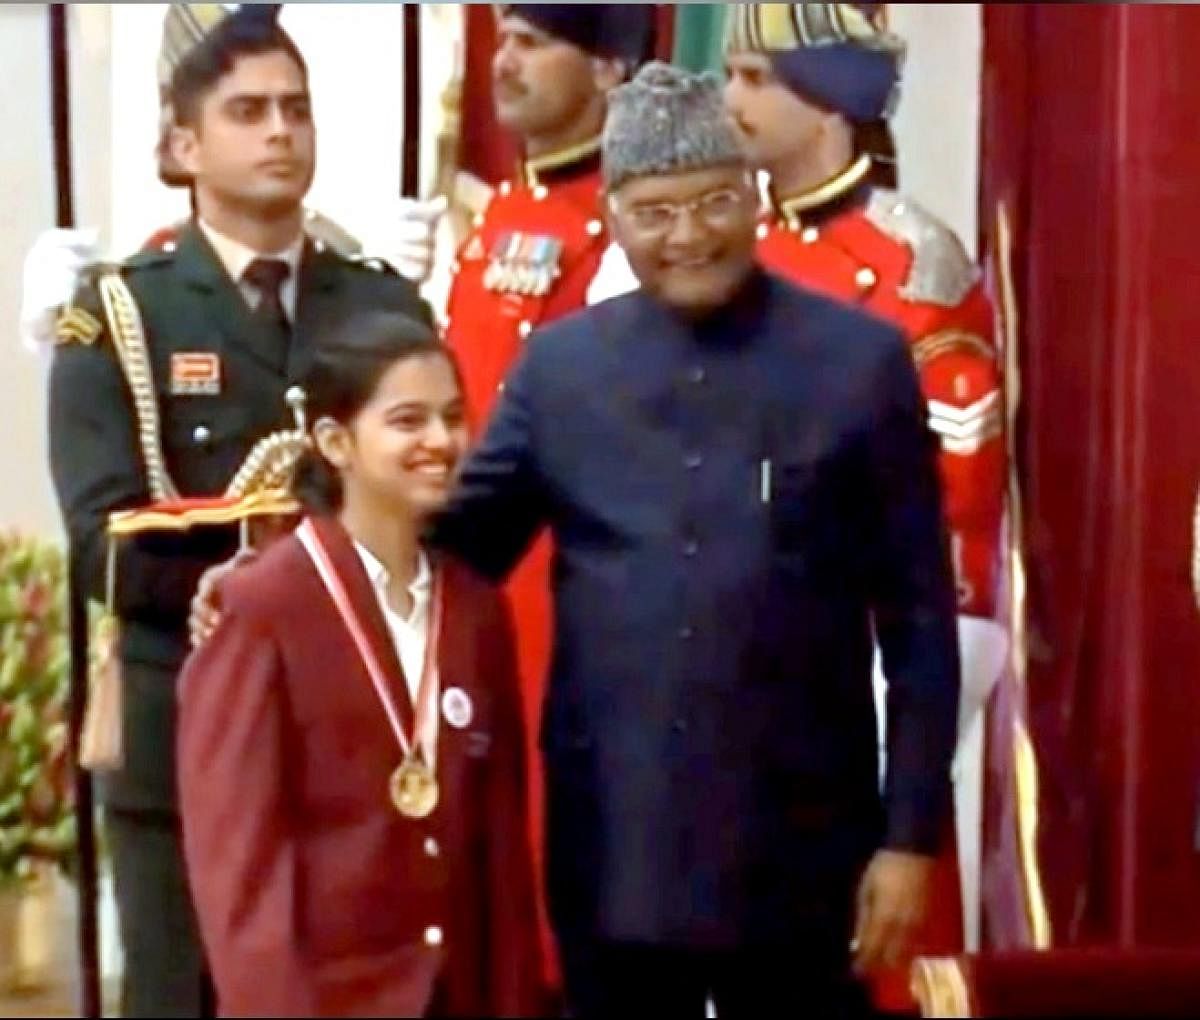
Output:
x=37 y=821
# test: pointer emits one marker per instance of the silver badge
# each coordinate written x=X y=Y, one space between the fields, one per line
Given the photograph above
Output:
x=457 y=708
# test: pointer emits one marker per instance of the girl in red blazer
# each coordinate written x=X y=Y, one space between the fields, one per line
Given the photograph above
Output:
x=350 y=742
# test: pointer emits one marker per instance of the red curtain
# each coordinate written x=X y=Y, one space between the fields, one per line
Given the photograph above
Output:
x=1092 y=137
x=486 y=150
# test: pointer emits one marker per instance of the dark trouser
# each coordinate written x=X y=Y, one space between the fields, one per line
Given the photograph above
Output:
x=609 y=979
x=165 y=974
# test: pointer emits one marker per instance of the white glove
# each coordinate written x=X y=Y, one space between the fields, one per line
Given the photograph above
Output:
x=405 y=236
x=52 y=270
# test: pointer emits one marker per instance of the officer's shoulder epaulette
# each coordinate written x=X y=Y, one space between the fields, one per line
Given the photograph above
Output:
x=77 y=324
x=81 y=320
x=91 y=273
x=150 y=256
x=942 y=272
x=368 y=264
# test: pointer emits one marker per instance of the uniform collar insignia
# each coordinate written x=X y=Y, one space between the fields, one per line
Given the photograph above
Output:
x=534 y=170
x=790 y=209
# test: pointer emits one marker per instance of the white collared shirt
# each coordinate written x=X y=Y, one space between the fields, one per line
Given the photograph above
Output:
x=410 y=634
x=236 y=258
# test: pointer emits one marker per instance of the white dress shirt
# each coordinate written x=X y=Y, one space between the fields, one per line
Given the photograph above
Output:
x=410 y=634
x=236 y=258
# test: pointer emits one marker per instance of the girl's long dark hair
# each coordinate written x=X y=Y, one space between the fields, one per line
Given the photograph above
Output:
x=346 y=368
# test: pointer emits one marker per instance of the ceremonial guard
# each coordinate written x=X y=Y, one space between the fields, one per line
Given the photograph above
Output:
x=837 y=230
x=169 y=369
x=812 y=86
x=534 y=250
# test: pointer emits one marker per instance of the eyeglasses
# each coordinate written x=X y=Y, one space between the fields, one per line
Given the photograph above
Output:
x=715 y=209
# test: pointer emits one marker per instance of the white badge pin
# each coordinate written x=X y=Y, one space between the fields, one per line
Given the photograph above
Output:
x=457 y=708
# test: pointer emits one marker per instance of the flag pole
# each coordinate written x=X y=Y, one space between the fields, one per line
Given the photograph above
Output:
x=410 y=156
x=90 y=1005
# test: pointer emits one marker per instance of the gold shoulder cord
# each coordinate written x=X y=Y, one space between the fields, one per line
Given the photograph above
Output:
x=129 y=339
x=267 y=469
x=1196 y=552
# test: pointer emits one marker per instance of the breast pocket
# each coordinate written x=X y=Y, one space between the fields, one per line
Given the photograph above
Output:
x=792 y=488
x=806 y=512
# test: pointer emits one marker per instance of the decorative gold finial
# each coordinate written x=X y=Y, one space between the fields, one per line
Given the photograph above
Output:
x=296 y=399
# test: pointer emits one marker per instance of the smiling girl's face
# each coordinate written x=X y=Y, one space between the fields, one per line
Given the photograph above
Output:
x=402 y=450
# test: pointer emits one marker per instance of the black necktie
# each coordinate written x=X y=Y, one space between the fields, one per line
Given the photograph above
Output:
x=267 y=276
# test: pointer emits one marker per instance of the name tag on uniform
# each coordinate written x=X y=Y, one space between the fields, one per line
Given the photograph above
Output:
x=195 y=374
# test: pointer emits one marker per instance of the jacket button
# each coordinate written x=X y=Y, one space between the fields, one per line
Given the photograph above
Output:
x=201 y=434
x=693 y=461
x=686 y=633
x=431 y=847
x=809 y=235
x=433 y=936
x=525 y=328
x=697 y=375
x=690 y=548
x=680 y=726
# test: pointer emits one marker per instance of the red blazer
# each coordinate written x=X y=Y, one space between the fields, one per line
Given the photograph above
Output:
x=314 y=896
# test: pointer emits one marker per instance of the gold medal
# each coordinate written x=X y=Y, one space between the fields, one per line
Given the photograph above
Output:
x=413 y=788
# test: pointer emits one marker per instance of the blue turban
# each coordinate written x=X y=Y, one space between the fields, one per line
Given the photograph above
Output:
x=836 y=55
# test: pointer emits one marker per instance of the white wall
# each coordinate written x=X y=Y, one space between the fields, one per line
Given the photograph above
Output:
x=937 y=124
x=26 y=207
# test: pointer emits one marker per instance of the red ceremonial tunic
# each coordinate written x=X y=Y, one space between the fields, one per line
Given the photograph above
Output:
x=529 y=260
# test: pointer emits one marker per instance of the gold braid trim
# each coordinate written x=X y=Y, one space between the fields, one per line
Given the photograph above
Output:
x=269 y=465
x=951 y=341
x=1025 y=780
x=129 y=339
x=1196 y=552
x=534 y=167
x=184 y=517
x=272 y=462
x=268 y=468
x=849 y=179
x=940 y=988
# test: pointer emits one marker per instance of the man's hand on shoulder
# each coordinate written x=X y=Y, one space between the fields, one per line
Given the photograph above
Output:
x=205 y=614
x=892 y=901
